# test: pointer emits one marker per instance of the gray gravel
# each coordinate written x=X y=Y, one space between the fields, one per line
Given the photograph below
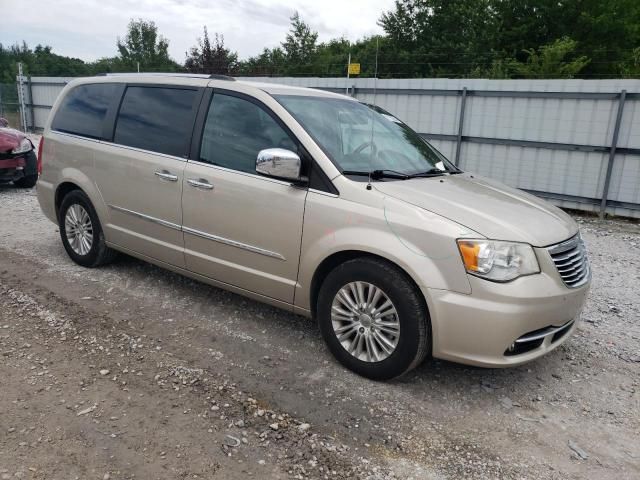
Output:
x=131 y=371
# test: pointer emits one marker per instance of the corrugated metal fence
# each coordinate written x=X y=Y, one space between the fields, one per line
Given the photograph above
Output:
x=574 y=142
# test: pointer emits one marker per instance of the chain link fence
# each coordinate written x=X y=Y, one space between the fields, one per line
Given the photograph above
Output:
x=10 y=105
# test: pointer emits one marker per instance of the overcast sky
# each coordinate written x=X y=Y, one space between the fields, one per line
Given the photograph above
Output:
x=88 y=29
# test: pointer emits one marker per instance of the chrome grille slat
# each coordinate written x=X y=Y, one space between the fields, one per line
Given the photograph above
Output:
x=570 y=259
x=572 y=271
x=569 y=256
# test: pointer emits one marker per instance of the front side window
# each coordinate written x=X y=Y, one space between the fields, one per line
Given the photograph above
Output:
x=363 y=138
x=84 y=109
x=236 y=130
x=158 y=119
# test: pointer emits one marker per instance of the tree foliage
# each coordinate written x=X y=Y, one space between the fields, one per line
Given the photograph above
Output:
x=208 y=58
x=550 y=61
x=142 y=46
x=300 y=43
x=422 y=38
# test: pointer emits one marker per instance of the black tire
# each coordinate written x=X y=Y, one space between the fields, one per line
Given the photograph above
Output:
x=99 y=253
x=26 y=182
x=414 y=342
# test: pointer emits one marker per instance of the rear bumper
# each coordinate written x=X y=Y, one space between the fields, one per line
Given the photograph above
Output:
x=46 y=199
x=501 y=325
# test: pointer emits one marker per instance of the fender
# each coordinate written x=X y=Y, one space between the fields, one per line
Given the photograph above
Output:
x=416 y=240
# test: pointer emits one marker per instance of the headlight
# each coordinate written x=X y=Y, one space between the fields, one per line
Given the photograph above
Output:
x=498 y=261
x=25 y=146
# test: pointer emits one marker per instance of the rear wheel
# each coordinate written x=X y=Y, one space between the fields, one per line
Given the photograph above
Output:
x=81 y=232
x=26 y=182
x=373 y=318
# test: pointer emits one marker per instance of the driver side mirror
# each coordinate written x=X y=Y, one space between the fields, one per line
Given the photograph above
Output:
x=279 y=163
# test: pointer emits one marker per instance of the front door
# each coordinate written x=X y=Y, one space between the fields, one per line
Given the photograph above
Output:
x=239 y=227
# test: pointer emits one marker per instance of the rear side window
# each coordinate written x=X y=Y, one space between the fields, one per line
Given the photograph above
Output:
x=156 y=118
x=84 y=109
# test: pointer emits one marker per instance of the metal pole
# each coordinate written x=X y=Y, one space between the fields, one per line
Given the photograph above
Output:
x=348 y=63
x=612 y=153
x=23 y=113
x=463 y=102
x=32 y=122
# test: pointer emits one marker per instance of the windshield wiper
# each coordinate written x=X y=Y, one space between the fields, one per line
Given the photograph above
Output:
x=432 y=172
x=378 y=174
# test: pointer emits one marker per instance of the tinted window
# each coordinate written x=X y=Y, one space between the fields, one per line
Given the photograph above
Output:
x=83 y=110
x=236 y=130
x=156 y=118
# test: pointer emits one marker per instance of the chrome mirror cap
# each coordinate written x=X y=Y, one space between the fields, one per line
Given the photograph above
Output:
x=279 y=163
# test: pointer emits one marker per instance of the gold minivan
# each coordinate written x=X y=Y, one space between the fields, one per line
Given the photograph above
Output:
x=318 y=204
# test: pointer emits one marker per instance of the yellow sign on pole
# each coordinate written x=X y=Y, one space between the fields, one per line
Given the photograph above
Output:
x=354 y=69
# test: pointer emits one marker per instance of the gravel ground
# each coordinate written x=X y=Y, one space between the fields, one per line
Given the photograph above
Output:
x=130 y=371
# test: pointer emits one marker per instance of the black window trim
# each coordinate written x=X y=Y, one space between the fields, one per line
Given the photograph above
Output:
x=318 y=180
x=193 y=116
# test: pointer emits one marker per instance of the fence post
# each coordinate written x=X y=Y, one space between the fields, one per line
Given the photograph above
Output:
x=463 y=101
x=32 y=119
x=612 y=153
x=23 y=113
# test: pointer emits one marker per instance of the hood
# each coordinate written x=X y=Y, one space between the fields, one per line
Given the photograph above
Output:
x=489 y=208
x=9 y=139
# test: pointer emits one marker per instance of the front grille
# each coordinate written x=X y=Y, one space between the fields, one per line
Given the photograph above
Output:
x=570 y=258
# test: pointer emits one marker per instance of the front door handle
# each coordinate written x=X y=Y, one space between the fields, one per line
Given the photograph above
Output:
x=165 y=175
x=200 y=183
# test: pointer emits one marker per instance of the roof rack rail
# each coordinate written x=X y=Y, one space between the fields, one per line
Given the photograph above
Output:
x=157 y=74
x=216 y=76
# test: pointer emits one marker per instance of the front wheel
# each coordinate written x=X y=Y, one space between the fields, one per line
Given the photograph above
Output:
x=373 y=318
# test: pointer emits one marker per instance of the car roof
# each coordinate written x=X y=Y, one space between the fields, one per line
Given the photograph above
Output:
x=219 y=81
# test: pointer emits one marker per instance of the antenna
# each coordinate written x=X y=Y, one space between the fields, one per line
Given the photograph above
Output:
x=375 y=91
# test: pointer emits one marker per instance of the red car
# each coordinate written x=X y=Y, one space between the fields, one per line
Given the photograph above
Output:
x=18 y=161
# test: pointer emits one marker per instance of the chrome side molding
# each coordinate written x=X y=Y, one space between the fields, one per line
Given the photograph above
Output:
x=198 y=233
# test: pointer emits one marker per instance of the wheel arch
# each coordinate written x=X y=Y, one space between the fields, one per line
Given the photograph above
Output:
x=62 y=191
x=337 y=258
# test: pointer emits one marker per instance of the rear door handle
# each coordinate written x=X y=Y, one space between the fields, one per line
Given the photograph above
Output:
x=200 y=183
x=164 y=175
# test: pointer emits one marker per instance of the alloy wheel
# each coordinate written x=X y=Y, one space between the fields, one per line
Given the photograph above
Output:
x=365 y=321
x=79 y=229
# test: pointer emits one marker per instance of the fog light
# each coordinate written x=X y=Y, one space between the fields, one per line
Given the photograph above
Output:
x=511 y=348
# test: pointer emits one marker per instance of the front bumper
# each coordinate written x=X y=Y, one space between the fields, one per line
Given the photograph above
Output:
x=481 y=328
x=15 y=167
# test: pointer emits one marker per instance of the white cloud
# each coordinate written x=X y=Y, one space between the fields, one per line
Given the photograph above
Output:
x=88 y=29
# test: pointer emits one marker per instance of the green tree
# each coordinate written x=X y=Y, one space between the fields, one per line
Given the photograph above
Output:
x=442 y=37
x=300 y=43
x=143 y=46
x=208 y=58
x=551 y=61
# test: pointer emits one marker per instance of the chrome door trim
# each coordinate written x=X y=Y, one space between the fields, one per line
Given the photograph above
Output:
x=240 y=172
x=141 y=150
x=149 y=218
x=198 y=233
x=73 y=135
x=233 y=243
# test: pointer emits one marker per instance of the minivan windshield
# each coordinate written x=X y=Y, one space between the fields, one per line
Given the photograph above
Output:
x=362 y=138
